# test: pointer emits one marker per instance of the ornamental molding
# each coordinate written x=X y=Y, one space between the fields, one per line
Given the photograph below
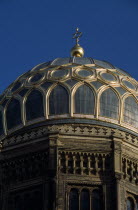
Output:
x=71 y=129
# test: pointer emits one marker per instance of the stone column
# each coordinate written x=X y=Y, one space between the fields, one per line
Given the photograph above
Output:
x=118 y=169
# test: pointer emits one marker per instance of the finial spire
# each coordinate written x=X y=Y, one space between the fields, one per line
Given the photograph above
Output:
x=77 y=35
x=77 y=50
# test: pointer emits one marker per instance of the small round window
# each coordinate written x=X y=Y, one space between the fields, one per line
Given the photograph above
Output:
x=108 y=77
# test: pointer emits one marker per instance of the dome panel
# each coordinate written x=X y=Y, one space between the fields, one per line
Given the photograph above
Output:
x=46 y=85
x=71 y=82
x=128 y=84
x=96 y=84
x=108 y=77
x=34 y=105
x=103 y=64
x=84 y=100
x=23 y=92
x=85 y=73
x=109 y=104
x=59 y=101
x=60 y=73
x=120 y=90
x=4 y=102
x=37 y=77
x=13 y=114
x=131 y=111
x=16 y=86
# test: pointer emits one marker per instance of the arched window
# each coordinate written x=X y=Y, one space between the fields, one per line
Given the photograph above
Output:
x=131 y=111
x=13 y=114
x=109 y=104
x=96 y=200
x=1 y=124
x=73 y=199
x=59 y=101
x=34 y=105
x=84 y=100
x=85 y=200
x=130 y=204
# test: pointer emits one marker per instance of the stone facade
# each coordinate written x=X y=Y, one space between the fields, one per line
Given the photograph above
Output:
x=40 y=167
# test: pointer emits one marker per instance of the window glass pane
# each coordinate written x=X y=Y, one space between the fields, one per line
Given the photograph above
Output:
x=74 y=200
x=130 y=204
x=34 y=105
x=59 y=101
x=96 y=200
x=71 y=82
x=97 y=84
x=131 y=111
x=85 y=200
x=13 y=114
x=109 y=104
x=84 y=100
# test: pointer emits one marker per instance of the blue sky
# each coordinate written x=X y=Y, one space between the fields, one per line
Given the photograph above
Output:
x=35 y=31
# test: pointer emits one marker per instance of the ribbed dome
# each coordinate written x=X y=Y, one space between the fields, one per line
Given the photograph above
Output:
x=70 y=90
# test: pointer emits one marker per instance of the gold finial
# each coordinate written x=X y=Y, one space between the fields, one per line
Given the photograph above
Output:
x=77 y=50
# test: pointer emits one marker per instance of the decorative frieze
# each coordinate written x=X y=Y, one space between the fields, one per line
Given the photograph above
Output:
x=71 y=129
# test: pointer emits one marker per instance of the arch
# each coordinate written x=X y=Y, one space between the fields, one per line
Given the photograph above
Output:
x=34 y=105
x=59 y=101
x=74 y=199
x=131 y=111
x=109 y=104
x=96 y=200
x=84 y=100
x=13 y=113
x=85 y=200
x=130 y=203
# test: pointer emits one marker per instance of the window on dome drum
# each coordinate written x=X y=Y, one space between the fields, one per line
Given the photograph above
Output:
x=59 y=101
x=84 y=100
x=13 y=114
x=1 y=124
x=130 y=204
x=109 y=104
x=86 y=199
x=131 y=111
x=34 y=105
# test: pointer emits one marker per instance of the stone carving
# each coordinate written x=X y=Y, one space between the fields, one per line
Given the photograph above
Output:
x=84 y=130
